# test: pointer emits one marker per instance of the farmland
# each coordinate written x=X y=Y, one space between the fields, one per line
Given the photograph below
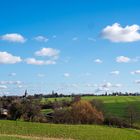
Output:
x=113 y=104
x=27 y=130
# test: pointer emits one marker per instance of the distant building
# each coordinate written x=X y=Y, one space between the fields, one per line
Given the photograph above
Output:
x=3 y=113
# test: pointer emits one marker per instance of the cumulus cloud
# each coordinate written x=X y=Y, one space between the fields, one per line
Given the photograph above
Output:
x=34 y=61
x=101 y=89
x=13 y=37
x=12 y=74
x=123 y=59
x=7 y=58
x=10 y=82
x=41 y=38
x=99 y=61
x=40 y=75
x=66 y=75
x=91 y=85
x=48 y=52
x=20 y=86
x=137 y=81
x=3 y=87
x=115 y=72
x=107 y=86
x=117 y=85
x=135 y=72
x=117 y=33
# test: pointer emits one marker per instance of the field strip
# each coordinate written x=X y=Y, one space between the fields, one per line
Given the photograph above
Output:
x=33 y=137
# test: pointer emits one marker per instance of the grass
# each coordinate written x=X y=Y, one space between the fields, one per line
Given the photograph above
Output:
x=11 y=138
x=114 y=105
x=9 y=130
x=46 y=111
x=77 y=132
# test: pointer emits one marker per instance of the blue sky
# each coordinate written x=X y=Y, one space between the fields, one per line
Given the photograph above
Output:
x=88 y=46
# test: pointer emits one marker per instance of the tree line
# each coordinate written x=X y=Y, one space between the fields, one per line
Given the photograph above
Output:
x=74 y=111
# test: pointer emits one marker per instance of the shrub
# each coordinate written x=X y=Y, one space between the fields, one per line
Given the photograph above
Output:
x=81 y=112
x=84 y=113
x=63 y=115
x=116 y=121
x=31 y=111
x=15 y=110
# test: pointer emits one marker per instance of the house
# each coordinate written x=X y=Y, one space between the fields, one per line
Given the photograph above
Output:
x=3 y=113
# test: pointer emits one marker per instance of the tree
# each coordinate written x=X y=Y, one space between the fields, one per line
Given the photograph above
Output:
x=15 y=110
x=84 y=113
x=132 y=113
x=31 y=111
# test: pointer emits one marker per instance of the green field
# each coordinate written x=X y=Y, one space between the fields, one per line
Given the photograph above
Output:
x=12 y=130
x=77 y=132
x=114 y=105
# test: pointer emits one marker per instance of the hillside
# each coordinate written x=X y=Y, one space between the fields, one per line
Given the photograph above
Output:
x=20 y=130
x=113 y=104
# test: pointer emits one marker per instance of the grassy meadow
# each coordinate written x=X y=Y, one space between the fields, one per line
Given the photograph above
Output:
x=77 y=132
x=114 y=105
x=18 y=130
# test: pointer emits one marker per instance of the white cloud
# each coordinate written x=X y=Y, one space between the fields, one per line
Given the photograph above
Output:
x=117 y=85
x=123 y=59
x=66 y=75
x=10 y=82
x=101 y=89
x=107 y=85
x=14 y=37
x=49 y=52
x=34 y=61
x=3 y=87
x=135 y=72
x=20 y=86
x=17 y=82
x=137 y=81
x=91 y=85
x=7 y=58
x=12 y=74
x=116 y=33
x=98 y=61
x=40 y=75
x=115 y=72
x=41 y=38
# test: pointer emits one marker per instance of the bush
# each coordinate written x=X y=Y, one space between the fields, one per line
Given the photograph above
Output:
x=31 y=111
x=81 y=112
x=116 y=121
x=84 y=113
x=15 y=110
x=63 y=115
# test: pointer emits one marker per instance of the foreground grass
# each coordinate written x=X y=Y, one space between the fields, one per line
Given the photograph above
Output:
x=77 y=132
x=11 y=138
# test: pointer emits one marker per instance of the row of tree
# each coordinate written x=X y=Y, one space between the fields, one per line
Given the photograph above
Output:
x=75 y=111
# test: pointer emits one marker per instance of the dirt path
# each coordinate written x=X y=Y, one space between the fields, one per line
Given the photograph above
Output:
x=33 y=137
